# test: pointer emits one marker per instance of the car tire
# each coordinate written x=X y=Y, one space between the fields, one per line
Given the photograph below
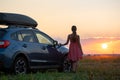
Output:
x=66 y=66
x=20 y=66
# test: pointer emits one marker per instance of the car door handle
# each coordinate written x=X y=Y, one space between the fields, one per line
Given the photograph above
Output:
x=24 y=45
x=43 y=47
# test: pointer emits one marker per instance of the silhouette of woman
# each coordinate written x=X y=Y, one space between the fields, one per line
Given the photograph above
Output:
x=75 y=50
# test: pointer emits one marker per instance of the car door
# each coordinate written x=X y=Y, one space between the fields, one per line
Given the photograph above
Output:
x=46 y=44
x=29 y=46
x=34 y=51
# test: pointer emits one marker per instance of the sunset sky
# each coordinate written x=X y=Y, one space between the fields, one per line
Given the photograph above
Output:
x=98 y=21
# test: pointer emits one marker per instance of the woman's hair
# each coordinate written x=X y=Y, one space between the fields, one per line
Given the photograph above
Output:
x=74 y=28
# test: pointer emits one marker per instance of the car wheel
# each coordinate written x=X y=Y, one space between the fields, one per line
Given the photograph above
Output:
x=20 y=66
x=66 y=66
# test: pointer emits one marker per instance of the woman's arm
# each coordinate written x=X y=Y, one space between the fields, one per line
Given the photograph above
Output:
x=80 y=44
x=67 y=40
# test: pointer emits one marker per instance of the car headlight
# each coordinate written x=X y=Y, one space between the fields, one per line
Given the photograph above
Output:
x=63 y=50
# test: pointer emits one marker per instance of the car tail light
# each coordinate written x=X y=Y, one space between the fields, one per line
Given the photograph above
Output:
x=4 y=43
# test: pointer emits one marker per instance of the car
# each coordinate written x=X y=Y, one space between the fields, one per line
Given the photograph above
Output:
x=23 y=47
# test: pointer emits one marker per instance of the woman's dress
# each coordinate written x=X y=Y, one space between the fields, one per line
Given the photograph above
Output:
x=75 y=51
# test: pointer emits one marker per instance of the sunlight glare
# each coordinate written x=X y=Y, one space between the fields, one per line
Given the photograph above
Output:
x=104 y=46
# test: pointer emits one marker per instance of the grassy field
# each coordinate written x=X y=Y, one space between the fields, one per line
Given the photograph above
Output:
x=90 y=68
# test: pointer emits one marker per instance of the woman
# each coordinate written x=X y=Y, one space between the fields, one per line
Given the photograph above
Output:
x=75 y=50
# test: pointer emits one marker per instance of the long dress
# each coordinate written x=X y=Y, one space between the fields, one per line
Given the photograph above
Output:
x=75 y=50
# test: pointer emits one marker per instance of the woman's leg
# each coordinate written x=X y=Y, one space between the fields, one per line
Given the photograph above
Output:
x=74 y=66
x=77 y=62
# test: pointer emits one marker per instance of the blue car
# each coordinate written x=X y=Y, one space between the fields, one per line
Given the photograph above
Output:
x=23 y=47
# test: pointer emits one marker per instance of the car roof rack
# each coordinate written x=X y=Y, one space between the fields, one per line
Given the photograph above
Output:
x=20 y=26
x=17 y=19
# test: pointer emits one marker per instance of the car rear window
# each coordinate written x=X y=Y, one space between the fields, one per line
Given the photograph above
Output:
x=2 y=33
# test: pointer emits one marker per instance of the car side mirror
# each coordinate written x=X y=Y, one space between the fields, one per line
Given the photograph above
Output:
x=55 y=43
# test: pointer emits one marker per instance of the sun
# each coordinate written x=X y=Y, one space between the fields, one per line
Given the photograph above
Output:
x=104 y=46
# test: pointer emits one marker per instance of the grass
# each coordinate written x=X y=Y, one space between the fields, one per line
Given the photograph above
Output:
x=90 y=68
